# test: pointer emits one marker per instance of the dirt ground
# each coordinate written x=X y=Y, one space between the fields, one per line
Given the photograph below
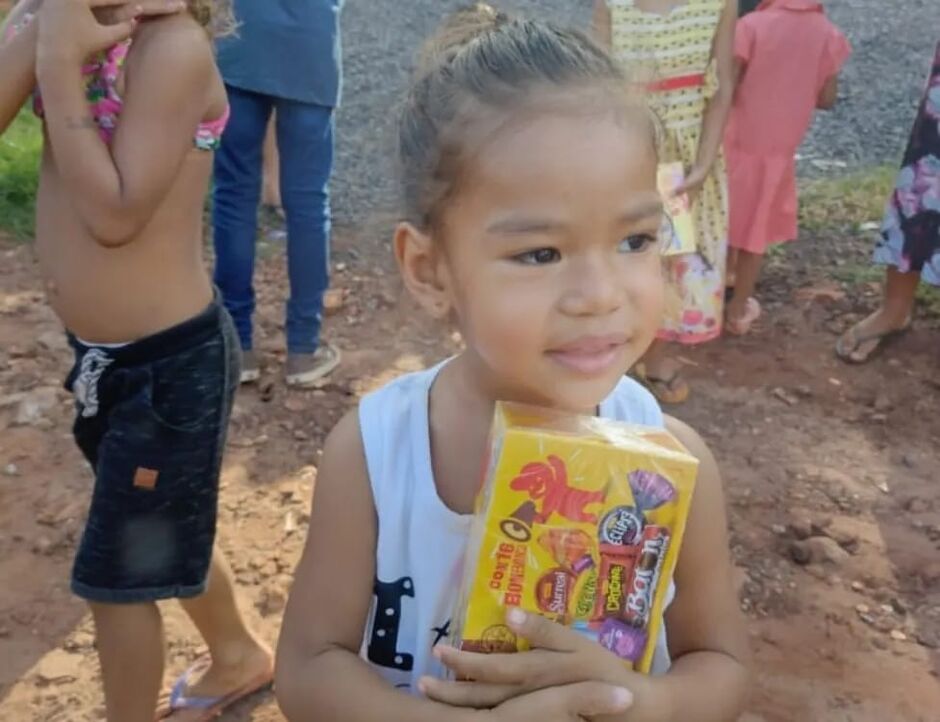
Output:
x=831 y=475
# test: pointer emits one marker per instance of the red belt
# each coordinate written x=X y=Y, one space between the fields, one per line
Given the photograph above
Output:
x=679 y=82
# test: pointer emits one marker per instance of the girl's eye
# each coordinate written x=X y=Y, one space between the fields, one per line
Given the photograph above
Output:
x=538 y=257
x=637 y=243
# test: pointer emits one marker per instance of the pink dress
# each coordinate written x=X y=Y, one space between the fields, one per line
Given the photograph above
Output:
x=789 y=50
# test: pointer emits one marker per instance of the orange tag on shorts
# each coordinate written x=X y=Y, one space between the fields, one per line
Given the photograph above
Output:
x=145 y=478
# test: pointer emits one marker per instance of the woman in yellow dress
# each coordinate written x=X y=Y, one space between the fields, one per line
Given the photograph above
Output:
x=682 y=52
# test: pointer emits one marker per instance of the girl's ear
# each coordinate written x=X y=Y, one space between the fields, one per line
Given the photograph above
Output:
x=423 y=270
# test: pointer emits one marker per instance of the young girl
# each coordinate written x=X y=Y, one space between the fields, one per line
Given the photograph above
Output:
x=130 y=122
x=787 y=57
x=682 y=51
x=532 y=216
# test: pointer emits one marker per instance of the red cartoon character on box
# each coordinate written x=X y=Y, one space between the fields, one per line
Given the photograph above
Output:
x=548 y=483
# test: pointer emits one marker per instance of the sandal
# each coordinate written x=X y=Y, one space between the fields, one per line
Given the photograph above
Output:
x=742 y=326
x=848 y=355
x=209 y=707
x=672 y=390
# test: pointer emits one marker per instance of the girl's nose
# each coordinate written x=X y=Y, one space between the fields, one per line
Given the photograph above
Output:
x=593 y=287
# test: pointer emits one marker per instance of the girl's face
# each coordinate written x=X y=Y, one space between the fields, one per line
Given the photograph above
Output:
x=547 y=255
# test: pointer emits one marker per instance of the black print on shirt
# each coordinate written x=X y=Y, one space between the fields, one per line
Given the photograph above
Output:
x=441 y=632
x=383 y=647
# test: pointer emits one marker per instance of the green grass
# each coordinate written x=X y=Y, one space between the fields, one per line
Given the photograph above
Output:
x=841 y=205
x=858 y=274
x=847 y=202
x=928 y=300
x=20 y=147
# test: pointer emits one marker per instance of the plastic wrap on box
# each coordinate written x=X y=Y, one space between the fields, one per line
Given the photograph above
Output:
x=679 y=229
x=580 y=519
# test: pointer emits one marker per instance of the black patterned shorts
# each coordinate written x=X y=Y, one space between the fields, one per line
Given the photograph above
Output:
x=151 y=420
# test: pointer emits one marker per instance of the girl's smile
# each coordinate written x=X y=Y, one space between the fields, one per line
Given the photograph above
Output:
x=590 y=355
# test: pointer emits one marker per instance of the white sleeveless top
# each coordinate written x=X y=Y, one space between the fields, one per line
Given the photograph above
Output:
x=421 y=542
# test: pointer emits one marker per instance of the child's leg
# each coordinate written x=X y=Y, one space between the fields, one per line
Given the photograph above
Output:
x=731 y=270
x=238 y=657
x=237 y=194
x=130 y=646
x=305 y=141
x=152 y=422
x=271 y=187
x=747 y=273
x=862 y=340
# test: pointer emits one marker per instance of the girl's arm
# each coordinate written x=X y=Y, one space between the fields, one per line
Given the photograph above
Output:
x=18 y=45
x=740 y=68
x=18 y=60
x=117 y=189
x=709 y=677
x=602 y=23
x=716 y=112
x=319 y=673
x=829 y=94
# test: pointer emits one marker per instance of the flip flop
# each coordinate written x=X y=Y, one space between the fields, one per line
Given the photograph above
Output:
x=742 y=326
x=209 y=707
x=848 y=355
x=672 y=390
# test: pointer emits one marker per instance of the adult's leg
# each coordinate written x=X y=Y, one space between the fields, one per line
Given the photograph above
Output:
x=305 y=142
x=860 y=341
x=662 y=373
x=235 y=207
x=129 y=638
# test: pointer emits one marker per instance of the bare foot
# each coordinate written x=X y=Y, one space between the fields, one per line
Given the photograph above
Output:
x=239 y=677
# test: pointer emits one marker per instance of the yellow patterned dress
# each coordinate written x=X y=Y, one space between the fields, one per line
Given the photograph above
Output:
x=672 y=53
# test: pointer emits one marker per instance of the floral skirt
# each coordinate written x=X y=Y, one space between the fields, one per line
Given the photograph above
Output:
x=910 y=234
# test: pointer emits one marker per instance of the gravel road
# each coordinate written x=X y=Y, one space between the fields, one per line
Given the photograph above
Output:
x=893 y=41
x=381 y=38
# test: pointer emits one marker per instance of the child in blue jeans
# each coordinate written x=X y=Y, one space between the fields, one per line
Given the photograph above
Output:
x=285 y=58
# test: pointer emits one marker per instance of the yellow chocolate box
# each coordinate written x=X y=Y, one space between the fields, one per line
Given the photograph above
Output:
x=580 y=519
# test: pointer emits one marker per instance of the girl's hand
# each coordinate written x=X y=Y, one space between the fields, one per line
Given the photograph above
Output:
x=560 y=657
x=694 y=180
x=69 y=31
x=570 y=703
x=119 y=11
